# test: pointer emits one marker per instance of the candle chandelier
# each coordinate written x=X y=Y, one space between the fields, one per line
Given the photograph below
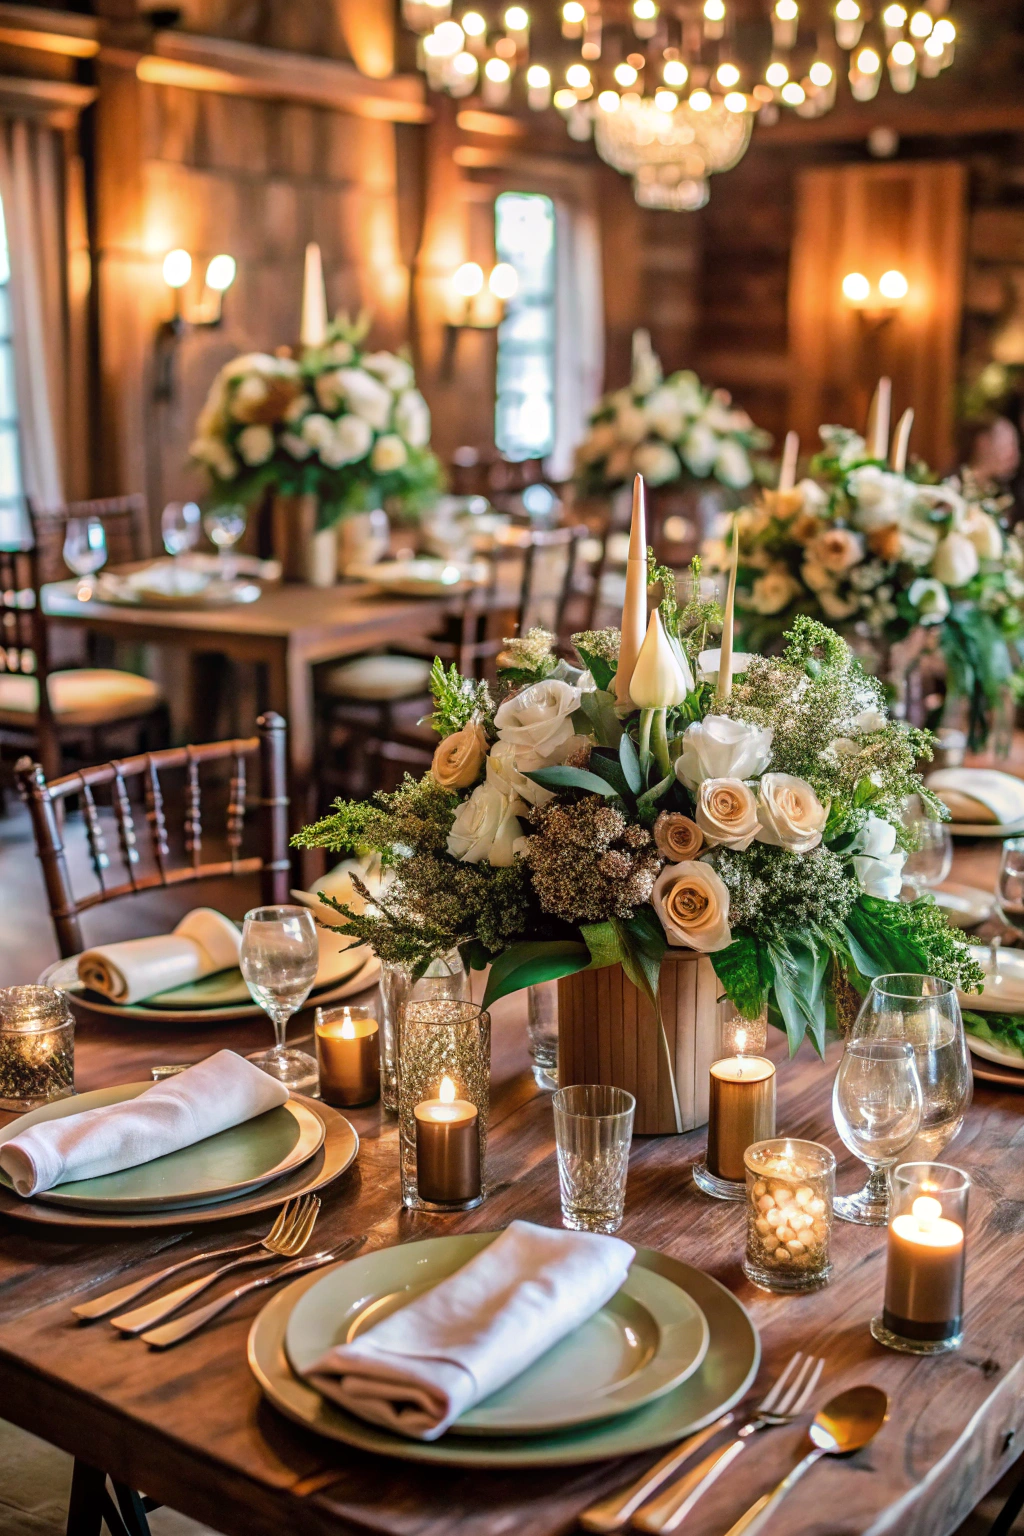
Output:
x=670 y=91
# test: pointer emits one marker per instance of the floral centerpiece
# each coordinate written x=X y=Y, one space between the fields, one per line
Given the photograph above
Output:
x=338 y=422
x=667 y=430
x=647 y=800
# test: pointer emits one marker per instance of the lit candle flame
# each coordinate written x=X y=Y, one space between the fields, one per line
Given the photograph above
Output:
x=446 y=1092
x=741 y=1041
x=348 y=1029
x=927 y=1212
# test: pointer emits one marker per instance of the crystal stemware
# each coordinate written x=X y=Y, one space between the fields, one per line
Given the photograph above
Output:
x=1009 y=897
x=931 y=857
x=279 y=960
x=876 y=1104
x=179 y=527
x=224 y=527
x=85 y=550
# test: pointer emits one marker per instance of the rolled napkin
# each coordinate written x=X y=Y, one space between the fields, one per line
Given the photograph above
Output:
x=204 y=941
x=981 y=795
x=419 y=1369
x=215 y=1094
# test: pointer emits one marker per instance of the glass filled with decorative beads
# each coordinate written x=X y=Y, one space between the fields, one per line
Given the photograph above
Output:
x=444 y=1079
x=37 y=1047
x=790 y=1190
x=444 y=977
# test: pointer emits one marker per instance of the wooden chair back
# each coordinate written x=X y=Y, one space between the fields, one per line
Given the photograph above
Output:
x=23 y=644
x=46 y=802
x=124 y=520
x=539 y=564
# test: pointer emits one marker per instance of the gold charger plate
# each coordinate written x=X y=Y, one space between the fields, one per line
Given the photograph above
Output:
x=338 y=1152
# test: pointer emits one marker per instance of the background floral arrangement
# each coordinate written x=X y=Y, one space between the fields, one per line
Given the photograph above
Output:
x=760 y=824
x=880 y=553
x=343 y=424
x=666 y=430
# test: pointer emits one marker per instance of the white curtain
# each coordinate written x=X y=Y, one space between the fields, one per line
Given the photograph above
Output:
x=31 y=186
x=579 y=332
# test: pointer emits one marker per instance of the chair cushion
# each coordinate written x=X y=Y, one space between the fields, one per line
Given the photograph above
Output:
x=377 y=677
x=86 y=696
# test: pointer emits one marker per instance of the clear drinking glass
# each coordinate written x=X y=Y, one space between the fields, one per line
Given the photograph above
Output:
x=224 y=527
x=443 y=977
x=931 y=859
x=1009 y=897
x=85 y=550
x=542 y=1029
x=279 y=959
x=593 y=1132
x=876 y=1104
x=179 y=527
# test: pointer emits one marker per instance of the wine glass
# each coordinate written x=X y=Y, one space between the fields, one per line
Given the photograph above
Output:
x=179 y=527
x=931 y=857
x=279 y=958
x=876 y=1104
x=1009 y=896
x=85 y=550
x=224 y=527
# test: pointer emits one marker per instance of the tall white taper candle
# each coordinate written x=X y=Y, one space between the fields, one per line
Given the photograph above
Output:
x=901 y=441
x=790 y=455
x=314 y=300
x=878 y=420
x=724 y=689
x=634 y=610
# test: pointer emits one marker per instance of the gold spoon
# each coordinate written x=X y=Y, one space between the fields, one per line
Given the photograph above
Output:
x=845 y=1424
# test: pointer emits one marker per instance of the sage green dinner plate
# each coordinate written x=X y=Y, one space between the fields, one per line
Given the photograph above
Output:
x=646 y=1340
x=218 y=1168
x=723 y=1377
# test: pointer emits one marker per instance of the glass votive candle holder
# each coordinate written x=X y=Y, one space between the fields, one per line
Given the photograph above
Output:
x=348 y=1055
x=593 y=1134
x=444 y=1075
x=736 y=1035
x=790 y=1188
x=741 y=1101
x=37 y=1047
x=445 y=976
x=925 y=1260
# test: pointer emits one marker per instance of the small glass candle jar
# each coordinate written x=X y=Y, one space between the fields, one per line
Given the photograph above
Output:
x=443 y=977
x=790 y=1190
x=925 y=1260
x=37 y=1047
x=444 y=1075
x=348 y=1055
x=739 y=1036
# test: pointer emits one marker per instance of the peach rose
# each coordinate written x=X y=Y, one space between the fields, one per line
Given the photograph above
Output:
x=460 y=757
x=784 y=504
x=692 y=902
x=727 y=812
x=677 y=837
x=805 y=528
x=837 y=549
x=886 y=543
x=790 y=813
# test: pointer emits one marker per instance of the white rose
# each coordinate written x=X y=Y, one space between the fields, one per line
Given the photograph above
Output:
x=720 y=748
x=395 y=372
x=503 y=773
x=790 y=813
x=881 y=497
x=814 y=497
x=881 y=877
x=692 y=903
x=298 y=408
x=917 y=542
x=389 y=453
x=700 y=449
x=930 y=598
x=727 y=812
x=412 y=418
x=773 y=591
x=485 y=827
x=364 y=395
x=255 y=444
x=876 y=838
x=538 y=724
x=955 y=561
x=687 y=388
x=318 y=430
x=295 y=445
x=732 y=466
x=665 y=413
x=631 y=424
x=984 y=533
x=657 y=462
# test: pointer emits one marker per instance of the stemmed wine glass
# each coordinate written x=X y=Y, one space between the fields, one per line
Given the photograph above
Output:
x=85 y=550
x=224 y=527
x=179 y=527
x=279 y=960
x=931 y=858
x=876 y=1104
x=1009 y=897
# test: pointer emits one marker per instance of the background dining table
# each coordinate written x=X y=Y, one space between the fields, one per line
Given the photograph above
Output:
x=188 y=1426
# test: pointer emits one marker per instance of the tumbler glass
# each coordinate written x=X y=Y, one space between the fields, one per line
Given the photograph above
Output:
x=593 y=1132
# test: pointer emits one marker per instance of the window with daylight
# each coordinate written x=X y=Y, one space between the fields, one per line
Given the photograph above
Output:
x=524 y=413
x=12 y=501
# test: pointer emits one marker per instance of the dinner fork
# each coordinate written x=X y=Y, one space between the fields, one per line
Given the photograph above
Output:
x=782 y=1405
x=286 y=1245
x=611 y=1513
x=111 y=1301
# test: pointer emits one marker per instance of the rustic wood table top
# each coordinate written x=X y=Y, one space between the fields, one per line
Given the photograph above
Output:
x=189 y=1427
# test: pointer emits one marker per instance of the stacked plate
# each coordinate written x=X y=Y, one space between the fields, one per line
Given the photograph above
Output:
x=996 y=1058
x=668 y=1354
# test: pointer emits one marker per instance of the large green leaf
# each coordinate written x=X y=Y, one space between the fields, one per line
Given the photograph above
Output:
x=800 y=965
x=598 y=710
x=600 y=670
x=561 y=777
x=630 y=763
x=604 y=944
x=524 y=965
x=745 y=972
x=604 y=761
x=643 y=942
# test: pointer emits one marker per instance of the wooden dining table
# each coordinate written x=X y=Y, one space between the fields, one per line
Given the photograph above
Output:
x=189 y=1427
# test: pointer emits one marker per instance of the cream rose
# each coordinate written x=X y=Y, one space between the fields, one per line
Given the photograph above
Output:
x=718 y=747
x=389 y=453
x=956 y=560
x=836 y=549
x=732 y=467
x=460 y=757
x=984 y=533
x=538 y=723
x=657 y=463
x=930 y=598
x=504 y=775
x=676 y=836
x=727 y=812
x=773 y=591
x=485 y=828
x=692 y=903
x=255 y=444
x=790 y=813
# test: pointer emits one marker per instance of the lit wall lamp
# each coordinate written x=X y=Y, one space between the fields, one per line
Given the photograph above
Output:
x=203 y=313
x=876 y=306
x=476 y=302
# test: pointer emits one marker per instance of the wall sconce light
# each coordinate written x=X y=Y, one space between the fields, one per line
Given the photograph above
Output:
x=476 y=302
x=203 y=313
x=876 y=308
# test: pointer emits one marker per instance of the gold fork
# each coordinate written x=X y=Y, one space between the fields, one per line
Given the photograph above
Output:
x=296 y=1230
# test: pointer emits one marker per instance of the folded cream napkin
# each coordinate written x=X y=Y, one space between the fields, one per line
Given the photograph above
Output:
x=1004 y=994
x=419 y=1369
x=204 y=942
x=222 y=1091
x=979 y=794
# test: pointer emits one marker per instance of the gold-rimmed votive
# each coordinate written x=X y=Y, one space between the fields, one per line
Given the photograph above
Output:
x=348 y=1053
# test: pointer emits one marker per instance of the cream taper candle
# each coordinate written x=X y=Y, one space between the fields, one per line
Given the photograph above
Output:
x=634 y=610
x=901 y=441
x=790 y=455
x=878 y=420
x=314 y=299
x=724 y=687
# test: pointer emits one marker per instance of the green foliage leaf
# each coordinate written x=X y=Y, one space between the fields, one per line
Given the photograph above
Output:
x=600 y=670
x=630 y=763
x=561 y=777
x=525 y=965
x=598 y=710
x=604 y=944
x=1003 y=1029
x=745 y=972
x=604 y=761
x=643 y=945
x=798 y=983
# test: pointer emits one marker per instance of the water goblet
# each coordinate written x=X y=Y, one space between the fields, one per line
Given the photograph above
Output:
x=1009 y=897
x=224 y=526
x=85 y=550
x=876 y=1105
x=279 y=960
x=931 y=858
x=179 y=527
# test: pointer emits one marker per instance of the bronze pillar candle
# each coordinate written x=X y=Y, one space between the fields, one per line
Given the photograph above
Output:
x=348 y=1051
x=447 y=1148
x=741 y=1111
x=925 y=1260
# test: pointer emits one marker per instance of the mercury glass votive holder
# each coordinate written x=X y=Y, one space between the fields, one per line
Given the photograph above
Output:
x=790 y=1192
x=445 y=976
x=37 y=1047
x=444 y=1076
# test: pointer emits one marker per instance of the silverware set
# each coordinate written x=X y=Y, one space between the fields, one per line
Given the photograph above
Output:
x=286 y=1240
x=845 y=1424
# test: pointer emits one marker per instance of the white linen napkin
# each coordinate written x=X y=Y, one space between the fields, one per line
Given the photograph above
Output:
x=979 y=794
x=204 y=941
x=419 y=1369
x=1003 y=996
x=215 y=1094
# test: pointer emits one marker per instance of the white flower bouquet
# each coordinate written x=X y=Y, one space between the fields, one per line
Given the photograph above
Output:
x=660 y=794
x=339 y=422
x=667 y=430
